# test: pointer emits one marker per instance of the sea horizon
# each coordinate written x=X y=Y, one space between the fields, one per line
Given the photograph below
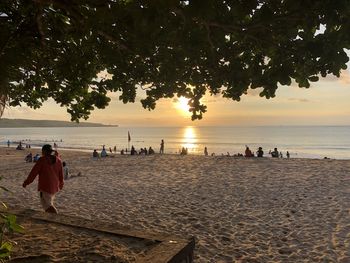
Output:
x=301 y=141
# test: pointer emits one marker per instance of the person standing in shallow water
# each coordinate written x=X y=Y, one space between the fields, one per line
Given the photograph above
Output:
x=161 y=146
x=50 y=171
x=205 y=151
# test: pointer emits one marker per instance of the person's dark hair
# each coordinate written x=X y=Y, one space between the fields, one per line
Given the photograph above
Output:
x=47 y=150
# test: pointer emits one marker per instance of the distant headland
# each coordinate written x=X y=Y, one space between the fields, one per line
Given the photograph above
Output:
x=23 y=123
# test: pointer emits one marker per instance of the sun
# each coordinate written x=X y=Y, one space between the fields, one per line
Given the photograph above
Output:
x=182 y=105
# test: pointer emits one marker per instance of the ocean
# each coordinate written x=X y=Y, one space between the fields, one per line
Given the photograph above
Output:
x=300 y=141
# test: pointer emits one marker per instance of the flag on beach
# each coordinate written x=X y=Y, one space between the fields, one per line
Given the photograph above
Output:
x=129 y=138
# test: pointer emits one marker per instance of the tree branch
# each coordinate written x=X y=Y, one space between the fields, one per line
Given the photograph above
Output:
x=113 y=40
x=65 y=5
x=39 y=25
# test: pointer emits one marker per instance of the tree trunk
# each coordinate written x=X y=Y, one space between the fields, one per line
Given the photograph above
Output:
x=3 y=99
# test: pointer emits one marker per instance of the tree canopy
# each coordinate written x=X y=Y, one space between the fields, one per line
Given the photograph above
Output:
x=56 y=48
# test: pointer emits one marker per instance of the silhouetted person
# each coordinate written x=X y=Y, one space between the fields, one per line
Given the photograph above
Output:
x=95 y=154
x=29 y=158
x=248 y=152
x=104 y=152
x=288 y=155
x=275 y=153
x=150 y=150
x=133 y=151
x=260 y=152
x=205 y=151
x=19 y=146
x=161 y=147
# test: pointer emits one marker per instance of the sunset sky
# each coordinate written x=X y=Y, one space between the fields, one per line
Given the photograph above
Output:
x=325 y=103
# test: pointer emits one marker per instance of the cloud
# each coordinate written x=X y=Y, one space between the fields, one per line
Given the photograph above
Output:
x=209 y=100
x=299 y=100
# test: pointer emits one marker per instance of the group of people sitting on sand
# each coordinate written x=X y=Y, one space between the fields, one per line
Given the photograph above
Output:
x=260 y=153
x=248 y=153
x=143 y=151
x=184 y=151
x=20 y=146
x=276 y=154
x=103 y=153
x=30 y=158
x=133 y=151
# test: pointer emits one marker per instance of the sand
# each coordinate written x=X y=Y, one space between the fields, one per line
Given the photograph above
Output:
x=239 y=210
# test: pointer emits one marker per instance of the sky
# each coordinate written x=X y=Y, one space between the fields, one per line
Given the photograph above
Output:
x=326 y=102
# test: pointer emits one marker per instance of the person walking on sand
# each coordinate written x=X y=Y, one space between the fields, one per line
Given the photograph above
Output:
x=161 y=147
x=50 y=171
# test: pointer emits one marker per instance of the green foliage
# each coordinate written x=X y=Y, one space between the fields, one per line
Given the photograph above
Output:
x=5 y=250
x=52 y=48
x=8 y=224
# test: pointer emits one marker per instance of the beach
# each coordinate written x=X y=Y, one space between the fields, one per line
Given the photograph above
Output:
x=238 y=209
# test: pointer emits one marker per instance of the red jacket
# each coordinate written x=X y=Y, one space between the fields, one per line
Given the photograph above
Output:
x=50 y=175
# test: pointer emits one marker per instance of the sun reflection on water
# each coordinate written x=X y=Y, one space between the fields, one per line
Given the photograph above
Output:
x=189 y=139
